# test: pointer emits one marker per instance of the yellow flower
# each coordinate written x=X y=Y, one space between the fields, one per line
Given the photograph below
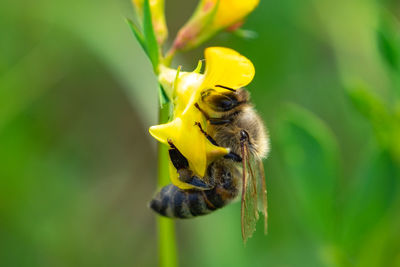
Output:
x=158 y=17
x=225 y=67
x=210 y=17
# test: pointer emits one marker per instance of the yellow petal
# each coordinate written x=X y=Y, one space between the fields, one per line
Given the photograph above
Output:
x=228 y=68
x=165 y=132
x=215 y=152
x=191 y=142
x=186 y=137
x=187 y=92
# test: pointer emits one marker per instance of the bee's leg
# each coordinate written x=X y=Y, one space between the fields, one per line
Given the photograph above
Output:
x=202 y=111
x=231 y=155
x=206 y=134
x=186 y=176
x=178 y=160
x=213 y=121
x=226 y=120
x=182 y=166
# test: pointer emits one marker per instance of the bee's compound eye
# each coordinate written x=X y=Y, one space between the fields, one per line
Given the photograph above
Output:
x=220 y=102
x=226 y=104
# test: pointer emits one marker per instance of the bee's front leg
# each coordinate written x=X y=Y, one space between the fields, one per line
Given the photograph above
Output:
x=231 y=155
x=212 y=121
x=206 y=134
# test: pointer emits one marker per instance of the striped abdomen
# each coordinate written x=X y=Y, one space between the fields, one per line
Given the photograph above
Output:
x=177 y=203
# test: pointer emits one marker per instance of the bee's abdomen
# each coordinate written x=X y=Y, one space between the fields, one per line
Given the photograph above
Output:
x=173 y=202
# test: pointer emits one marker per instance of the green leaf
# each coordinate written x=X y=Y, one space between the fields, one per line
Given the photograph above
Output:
x=384 y=121
x=387 y=49
x=163 y=98
x=388 y=39
x=381 y=247
x=149 y=36
x=310 y=155
x=138 y=35
x=369 y=105
x=370 y=199
x=375 y=111
x=178 y=71
x=245 y=34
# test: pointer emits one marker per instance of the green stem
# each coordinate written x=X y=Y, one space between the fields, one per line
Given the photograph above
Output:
x=166 y=227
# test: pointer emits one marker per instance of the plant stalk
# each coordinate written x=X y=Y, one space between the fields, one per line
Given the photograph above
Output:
x=166 y=227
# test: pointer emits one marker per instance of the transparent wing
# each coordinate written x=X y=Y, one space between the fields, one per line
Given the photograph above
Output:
x=254 y=198
x=262 y=203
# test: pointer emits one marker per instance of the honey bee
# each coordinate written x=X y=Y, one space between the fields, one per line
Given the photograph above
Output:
x=233 y=123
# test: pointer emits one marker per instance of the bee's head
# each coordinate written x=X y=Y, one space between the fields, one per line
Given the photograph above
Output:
x=224 y=100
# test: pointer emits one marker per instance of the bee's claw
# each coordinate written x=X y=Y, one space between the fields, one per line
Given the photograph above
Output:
x=197 y=182
x=233 y=156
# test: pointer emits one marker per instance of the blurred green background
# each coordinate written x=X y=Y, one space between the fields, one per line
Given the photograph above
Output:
x=77 y=165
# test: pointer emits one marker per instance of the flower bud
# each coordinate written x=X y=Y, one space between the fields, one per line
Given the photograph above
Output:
x=210 y=17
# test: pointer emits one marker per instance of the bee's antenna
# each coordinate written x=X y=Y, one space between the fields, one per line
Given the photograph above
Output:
x=225 y=87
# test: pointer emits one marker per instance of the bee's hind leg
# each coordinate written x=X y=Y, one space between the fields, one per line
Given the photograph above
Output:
x=182 y=166
x=187 y=177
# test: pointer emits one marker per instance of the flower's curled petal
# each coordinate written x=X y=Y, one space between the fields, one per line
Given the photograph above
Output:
x=165 y=132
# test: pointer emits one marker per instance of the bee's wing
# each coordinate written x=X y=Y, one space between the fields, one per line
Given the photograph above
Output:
x=254 y=198
x=258 y=167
